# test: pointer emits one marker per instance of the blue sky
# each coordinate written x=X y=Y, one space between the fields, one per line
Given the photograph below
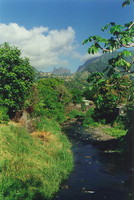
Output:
x=50 y=32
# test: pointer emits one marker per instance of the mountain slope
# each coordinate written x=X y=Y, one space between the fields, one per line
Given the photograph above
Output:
x=98 y=64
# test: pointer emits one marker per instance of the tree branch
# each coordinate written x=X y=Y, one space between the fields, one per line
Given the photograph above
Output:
x=128 y=46
x=123 y=45
x=130 y=26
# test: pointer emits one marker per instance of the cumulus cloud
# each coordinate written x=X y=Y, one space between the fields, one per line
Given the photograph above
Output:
x=42 y=46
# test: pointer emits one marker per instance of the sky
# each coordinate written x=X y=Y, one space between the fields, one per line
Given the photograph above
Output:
x=50 y=32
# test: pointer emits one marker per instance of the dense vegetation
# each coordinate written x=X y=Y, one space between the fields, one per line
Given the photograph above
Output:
x=16 y=78
x=32 y=166
x=52 y=98
x=114 y=86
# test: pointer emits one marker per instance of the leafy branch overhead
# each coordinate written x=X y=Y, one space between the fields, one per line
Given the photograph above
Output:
x=126 y=2
x=114 y=86
x=122 y=36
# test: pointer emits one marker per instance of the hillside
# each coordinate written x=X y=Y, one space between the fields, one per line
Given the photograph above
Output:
x=32 y=166
x=98 y=64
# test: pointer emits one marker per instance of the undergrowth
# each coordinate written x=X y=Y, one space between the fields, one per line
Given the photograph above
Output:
x=75 y=114
x=117 y=129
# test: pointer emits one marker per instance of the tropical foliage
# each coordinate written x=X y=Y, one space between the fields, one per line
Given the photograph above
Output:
x=52 y=98
x=16 y=78
x=31 y=166
x=113 y=86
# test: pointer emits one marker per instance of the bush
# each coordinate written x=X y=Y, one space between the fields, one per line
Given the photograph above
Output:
x=76 y=95
x=88 y=120
x=3 y=114
x=52 y=98
x=75 y=114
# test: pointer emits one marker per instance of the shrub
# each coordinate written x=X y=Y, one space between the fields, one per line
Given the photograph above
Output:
x=76 y=95
x=88 y=120
x=53 y=96
x=3 y=114
x=75 y=114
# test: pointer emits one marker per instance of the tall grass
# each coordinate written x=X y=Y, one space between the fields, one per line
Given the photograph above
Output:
x=30 y=168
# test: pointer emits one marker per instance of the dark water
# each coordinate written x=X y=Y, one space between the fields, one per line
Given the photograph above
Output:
x=97 y=175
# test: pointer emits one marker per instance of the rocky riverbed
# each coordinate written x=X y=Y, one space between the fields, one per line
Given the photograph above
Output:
x=92 y=135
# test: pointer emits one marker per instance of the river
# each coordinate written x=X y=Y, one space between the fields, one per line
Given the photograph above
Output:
x=98 y=174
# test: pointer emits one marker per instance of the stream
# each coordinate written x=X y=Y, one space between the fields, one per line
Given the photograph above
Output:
x=98 y=174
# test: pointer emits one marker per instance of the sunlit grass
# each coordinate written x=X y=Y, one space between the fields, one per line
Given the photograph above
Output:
x=115 y=132
x=33 y=166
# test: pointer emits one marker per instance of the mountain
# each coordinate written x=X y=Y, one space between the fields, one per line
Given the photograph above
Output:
x=87 y=63
x=61 y=71
x=98 y=64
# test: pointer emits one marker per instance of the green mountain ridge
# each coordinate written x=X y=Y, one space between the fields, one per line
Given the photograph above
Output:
x=98 y=64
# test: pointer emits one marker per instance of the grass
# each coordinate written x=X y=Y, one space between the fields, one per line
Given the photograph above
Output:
x=110 y=130
x=114 y=131
x=117 y=130
x=32 y=167
x=75 y=114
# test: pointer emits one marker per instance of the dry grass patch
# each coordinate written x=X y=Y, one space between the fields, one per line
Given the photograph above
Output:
x=43 y=135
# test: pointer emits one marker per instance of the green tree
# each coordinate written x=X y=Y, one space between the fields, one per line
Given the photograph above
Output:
x=52 y=98
x=16 y=78
x=76 y=95
x=107 y=93
x=113 y=87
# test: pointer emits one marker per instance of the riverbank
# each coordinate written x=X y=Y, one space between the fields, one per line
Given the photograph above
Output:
x=96 y=134
x=99 y=171
x=32 y=166
x=103 y=136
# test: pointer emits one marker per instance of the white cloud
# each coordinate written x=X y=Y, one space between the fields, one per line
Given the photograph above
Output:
x=44 y=48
